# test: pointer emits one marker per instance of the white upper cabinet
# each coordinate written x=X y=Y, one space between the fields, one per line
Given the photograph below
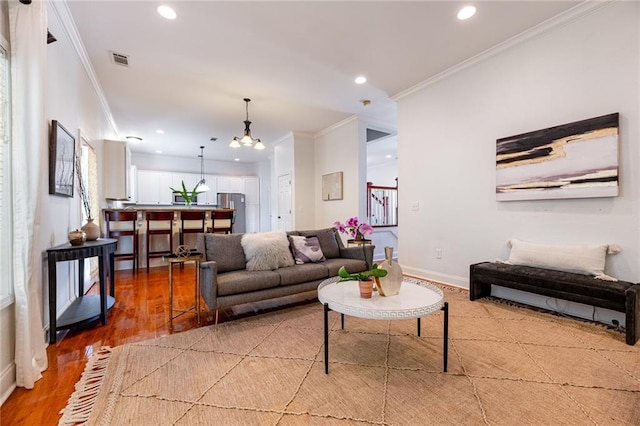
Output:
x=209 y=197
x=236 y=184
x=251 y=189
x=117 y=168
x=154 y=187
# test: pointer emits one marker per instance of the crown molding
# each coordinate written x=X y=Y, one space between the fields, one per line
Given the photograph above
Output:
x=63 y=13
x=335 y=126
x=563 y=18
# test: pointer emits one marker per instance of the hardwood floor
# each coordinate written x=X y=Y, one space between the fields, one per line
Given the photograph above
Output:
x=140 y=313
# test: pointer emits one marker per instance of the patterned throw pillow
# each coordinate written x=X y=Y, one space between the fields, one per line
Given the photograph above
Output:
x=306 y=249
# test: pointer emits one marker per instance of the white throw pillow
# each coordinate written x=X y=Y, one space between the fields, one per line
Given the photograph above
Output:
x=582 y=259
x=266 y=251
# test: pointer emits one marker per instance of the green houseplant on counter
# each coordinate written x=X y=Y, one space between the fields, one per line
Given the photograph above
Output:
x=188 y=196
x=364 y=278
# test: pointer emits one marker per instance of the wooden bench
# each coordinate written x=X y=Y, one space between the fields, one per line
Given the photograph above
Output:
x=620 y=296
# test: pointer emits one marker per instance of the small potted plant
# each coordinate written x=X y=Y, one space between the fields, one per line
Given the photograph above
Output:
x=188 y=196
x=364 y=278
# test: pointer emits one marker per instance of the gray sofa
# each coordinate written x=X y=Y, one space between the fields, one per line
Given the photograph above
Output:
x=224 y=280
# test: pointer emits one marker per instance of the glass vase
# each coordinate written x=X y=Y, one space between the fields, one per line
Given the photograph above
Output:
x=390 y=284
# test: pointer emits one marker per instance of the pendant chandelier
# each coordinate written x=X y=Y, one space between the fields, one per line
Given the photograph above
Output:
x=246 y=139
x=202 y=185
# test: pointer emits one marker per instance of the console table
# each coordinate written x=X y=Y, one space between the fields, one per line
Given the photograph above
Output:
x=85 y=308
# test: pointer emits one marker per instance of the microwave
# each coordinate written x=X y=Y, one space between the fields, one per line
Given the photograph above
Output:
x=179 y=199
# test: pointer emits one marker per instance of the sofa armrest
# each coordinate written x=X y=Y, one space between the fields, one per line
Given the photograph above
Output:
x=363 y=252
x=209 y=283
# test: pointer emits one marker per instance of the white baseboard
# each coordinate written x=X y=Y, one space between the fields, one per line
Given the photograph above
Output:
x=462 y=282
x=7 y=382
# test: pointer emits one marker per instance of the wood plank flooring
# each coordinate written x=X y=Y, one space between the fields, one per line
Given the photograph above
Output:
x=141 y=312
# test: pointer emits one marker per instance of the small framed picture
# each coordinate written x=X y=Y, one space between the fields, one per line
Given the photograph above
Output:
x=332 y=186
x=62 y=154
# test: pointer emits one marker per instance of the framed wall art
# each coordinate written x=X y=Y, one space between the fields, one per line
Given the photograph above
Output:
x=574 y=160
x=62 y=154
x=332 y=186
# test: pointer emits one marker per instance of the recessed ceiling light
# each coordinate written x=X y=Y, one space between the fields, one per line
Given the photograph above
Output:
x=167 y=12
x=160 y=132
x=236 y=159
x=158 y=151
x=361 y=79
x=133 y=139
x=466 y=12
x=388 y=156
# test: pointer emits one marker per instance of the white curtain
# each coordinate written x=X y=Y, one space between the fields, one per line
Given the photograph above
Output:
x=28 y=35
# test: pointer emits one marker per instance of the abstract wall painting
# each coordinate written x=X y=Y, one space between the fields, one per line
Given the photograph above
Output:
x=575 y=160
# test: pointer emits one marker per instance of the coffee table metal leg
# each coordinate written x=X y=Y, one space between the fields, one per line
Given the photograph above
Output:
x=326 y=338
x=342 y=321
x=445 y=308
x=419 y=327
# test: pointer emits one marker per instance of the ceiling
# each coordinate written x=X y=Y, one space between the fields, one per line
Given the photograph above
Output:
x=297 y=61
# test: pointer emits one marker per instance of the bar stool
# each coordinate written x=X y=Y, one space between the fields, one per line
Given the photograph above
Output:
x=185 y=218
x=153 y=217
x=222 y=221
x=121 y=229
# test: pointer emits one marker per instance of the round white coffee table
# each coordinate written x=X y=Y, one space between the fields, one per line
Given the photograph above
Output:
x=415 y=300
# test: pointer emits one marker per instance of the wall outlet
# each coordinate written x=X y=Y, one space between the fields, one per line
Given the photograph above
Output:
x=438 y=253
x=415 y=207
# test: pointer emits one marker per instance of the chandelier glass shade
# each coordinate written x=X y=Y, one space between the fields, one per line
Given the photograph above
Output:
x=202 y=185
x=247 y=139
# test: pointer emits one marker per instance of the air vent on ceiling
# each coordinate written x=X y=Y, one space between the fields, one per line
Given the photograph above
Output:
x=119 y=59
x=373 y=135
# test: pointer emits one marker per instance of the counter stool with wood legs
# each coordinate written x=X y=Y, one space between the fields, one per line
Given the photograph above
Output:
x=121 y=230
x=159 y=223
x=222 y=222
x=190 y=228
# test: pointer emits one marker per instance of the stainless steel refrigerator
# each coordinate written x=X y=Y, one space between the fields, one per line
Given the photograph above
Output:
x=234 y=200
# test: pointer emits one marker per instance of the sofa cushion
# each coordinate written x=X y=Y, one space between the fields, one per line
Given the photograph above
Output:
x=302 y=273
x=351 y=265
x=226 y=250
x=328 y=243
x=306 y=249
x=266 y=251
x=244 y=281
x=578 y=259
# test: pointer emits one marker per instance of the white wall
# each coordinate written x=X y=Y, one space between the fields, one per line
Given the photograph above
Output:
x=341 y=149
x=303 y=182
x=447 y=135
x=383 y=174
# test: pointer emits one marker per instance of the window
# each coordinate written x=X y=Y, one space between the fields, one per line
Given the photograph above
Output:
x=6 y=239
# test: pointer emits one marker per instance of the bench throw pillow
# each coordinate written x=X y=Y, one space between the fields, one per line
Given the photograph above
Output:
x=306 y=249
x=266 y=251
x=579 y=259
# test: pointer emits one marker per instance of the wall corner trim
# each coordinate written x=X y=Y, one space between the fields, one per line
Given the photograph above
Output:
x=64 y=14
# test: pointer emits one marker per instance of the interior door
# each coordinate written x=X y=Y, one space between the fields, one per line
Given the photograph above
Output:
x=284 y=202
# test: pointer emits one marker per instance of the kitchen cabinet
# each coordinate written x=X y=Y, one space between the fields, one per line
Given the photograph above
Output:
x=236 y=184
x=154 y=187
x=209 y=198
x=117 y=170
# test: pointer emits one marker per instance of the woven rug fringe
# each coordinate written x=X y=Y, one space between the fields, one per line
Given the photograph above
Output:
x=80 y=403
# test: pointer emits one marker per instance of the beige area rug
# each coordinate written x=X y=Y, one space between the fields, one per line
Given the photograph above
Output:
x=507 y=366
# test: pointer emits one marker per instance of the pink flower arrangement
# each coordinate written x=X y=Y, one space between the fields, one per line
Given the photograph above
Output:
x=353 y=227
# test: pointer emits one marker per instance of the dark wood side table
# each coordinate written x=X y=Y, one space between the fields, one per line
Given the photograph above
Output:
x=85 y=308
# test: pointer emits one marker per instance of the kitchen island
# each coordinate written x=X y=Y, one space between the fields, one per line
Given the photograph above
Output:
x=125 y=244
